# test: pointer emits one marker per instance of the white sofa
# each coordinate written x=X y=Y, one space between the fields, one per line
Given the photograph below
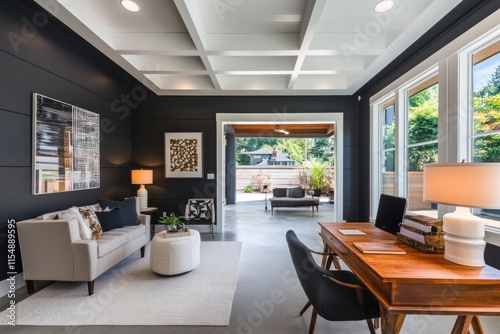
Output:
x=53 y=250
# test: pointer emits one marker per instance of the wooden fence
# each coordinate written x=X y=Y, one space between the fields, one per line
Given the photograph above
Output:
x=415 y=189
x=280 y=176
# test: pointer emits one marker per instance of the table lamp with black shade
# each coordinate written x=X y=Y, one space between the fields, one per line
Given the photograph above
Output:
x=464 y=185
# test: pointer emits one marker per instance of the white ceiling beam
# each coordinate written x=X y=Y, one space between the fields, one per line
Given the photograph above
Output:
x=192 y=19
x=245 y=53
x=155 y=41
x=246 y=63
x=165 y=63
x=310 y=21
x=346 y=40
x=252 y=42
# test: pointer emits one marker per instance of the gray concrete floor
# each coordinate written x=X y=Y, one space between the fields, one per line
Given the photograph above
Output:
x=266 y=272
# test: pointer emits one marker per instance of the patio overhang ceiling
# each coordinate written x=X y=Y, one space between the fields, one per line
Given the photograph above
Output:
x=294 y=130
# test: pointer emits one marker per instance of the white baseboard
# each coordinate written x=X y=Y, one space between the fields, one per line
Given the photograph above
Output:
x=5 y=285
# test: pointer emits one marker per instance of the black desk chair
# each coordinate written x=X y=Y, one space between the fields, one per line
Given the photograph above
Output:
x=390 y=213
x=335 y=295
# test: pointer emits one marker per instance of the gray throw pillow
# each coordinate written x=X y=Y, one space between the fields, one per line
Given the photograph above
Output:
x=279 y=192
x=295 y=192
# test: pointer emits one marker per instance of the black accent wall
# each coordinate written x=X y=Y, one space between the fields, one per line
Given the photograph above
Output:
x=198 y=114
x=36 y=56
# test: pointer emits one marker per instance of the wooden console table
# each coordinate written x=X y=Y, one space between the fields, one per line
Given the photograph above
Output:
x=416 y=282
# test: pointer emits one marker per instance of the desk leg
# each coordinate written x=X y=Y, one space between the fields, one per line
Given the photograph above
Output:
x=326 y=249
x=391 y=323
x=463 y=323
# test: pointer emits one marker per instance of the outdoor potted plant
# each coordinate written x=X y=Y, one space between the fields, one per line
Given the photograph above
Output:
x=172 y=223
x=312 y=176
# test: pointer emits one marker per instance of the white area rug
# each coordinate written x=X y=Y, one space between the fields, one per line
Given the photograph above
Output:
x=131 y=294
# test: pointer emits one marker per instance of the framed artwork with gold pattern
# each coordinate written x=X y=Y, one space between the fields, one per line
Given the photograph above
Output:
x=183 y=155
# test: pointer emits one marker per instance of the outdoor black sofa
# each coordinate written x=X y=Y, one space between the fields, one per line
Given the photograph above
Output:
x=291 y=198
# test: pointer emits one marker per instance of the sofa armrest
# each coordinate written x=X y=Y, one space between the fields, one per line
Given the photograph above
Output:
x=85 y=260
x=46 y=248
x=144 y=219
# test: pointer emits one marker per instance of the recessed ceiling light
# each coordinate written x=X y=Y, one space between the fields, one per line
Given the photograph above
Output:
x=384 y=5
x=130 y=5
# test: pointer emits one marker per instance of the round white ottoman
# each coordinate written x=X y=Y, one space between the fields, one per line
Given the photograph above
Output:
x=175 y=255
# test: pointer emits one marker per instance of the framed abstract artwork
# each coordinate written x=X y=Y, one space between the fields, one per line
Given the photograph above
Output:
x=183 y=155
x=66 y=154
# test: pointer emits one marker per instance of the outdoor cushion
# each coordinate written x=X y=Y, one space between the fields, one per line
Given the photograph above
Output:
x=295 y=192
x=279 y=192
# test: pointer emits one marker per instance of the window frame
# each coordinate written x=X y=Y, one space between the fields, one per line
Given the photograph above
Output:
x=454 y=121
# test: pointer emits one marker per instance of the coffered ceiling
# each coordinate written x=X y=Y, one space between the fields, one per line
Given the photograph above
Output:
x=250 y=47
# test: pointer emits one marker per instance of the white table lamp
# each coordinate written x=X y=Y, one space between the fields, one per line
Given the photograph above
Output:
x=464 y=185
x=142 y=177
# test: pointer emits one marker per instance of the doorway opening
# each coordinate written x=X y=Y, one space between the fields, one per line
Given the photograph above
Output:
x=272 y=120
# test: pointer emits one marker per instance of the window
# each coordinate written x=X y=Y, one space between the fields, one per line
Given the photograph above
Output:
x=422 y=147
x=486 y=104
x=484 y=132
x=408 y=139
x=445 y=109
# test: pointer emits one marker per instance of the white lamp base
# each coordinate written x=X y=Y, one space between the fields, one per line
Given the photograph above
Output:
x=464 y=239
x=142 y=197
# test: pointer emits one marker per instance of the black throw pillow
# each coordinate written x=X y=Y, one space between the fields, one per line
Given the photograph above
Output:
x=126 y=208
x=109 y=219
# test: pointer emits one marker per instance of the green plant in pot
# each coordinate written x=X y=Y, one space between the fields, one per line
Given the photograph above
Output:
x=172 y=223
x=313 y=175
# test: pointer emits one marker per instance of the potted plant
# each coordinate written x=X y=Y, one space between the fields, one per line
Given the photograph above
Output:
x=316 y=176
x=172 y=223
x=261 y=179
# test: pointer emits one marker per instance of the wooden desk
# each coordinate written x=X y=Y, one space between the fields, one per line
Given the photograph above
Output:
x=416 y=282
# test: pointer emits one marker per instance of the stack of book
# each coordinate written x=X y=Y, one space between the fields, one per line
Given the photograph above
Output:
x=423 y=233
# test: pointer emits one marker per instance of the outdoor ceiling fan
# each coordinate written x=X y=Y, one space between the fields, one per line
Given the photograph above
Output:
x=279 y=130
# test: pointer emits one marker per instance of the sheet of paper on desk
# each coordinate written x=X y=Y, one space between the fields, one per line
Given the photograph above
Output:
x=378 y=248
x=352 y=232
